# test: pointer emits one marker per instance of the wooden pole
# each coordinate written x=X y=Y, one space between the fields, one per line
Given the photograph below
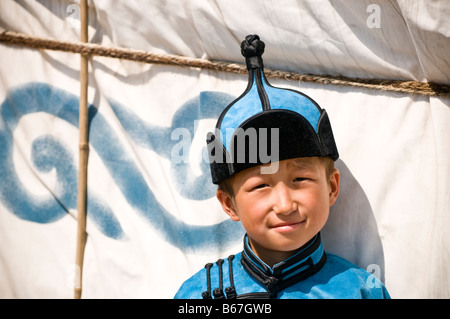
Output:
x=84 y=153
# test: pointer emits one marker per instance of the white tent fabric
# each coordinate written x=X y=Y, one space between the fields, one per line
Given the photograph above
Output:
x=153 y=218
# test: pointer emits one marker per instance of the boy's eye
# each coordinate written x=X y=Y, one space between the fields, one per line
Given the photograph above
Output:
x=300 y=179
x=259 y=186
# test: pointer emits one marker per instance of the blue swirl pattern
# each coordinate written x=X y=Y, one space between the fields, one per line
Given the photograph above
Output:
x=49 y=153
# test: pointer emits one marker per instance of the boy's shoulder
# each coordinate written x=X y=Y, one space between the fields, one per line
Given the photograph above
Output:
x=347 y=280
x=338 y=265
x=192 y=287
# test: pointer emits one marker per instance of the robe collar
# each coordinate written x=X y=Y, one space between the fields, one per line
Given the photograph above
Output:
x=305 y=263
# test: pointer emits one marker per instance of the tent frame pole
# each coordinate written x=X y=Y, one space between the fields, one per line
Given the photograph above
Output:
x=83 y=153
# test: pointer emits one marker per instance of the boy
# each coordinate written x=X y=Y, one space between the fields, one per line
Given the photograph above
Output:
x=281 y=199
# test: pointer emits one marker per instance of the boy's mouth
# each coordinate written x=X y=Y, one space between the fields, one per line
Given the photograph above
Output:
x=287 y=226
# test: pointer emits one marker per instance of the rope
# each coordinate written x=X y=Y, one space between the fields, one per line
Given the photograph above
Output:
x=409 y=87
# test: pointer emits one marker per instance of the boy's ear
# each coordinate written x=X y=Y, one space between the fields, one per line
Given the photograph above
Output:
x=228 y=204
x=334 y=186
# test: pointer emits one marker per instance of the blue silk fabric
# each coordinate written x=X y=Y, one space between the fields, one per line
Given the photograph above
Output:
x=309 y=274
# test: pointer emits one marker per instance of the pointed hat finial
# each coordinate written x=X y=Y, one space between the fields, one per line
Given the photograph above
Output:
x=252 y=49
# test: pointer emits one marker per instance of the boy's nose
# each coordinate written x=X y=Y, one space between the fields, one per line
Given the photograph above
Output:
x=283 y=202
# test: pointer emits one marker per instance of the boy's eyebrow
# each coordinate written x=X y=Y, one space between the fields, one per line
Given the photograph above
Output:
x=302 y=164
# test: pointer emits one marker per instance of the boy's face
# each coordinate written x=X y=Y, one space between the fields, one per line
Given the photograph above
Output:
x=282 y=211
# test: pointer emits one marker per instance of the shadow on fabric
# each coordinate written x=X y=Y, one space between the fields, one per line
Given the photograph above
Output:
x=351 y=230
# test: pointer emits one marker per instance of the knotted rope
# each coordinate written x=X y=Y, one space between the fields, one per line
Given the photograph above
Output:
x=409 y=87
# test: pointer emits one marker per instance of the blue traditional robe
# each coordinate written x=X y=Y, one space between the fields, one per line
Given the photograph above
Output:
x=310 y=273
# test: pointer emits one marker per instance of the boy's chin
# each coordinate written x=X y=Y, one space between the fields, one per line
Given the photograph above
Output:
x=290 y=244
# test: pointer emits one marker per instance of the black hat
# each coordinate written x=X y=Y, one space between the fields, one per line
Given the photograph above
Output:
x=267 y=124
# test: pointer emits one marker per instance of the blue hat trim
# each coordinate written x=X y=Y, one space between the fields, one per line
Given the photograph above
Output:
x=250 y=104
